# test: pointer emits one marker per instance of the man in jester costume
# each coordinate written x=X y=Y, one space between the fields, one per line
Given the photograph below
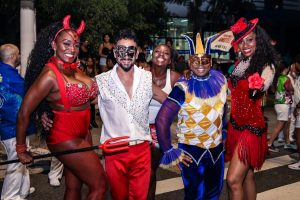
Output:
x=199 y=103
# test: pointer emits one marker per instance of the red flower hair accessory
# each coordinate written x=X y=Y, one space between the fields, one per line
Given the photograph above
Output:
x=66 y=26
x=241 y=29
x=256 y=81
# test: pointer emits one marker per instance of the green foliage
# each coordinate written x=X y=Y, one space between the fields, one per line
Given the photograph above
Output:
x=105 y=16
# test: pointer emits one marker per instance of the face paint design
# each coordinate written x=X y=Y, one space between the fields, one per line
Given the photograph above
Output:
x=125 y=56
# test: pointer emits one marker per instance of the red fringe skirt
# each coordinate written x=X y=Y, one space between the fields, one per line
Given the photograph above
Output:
x=252 y=149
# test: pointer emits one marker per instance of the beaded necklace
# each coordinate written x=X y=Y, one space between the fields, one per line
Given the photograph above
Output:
x=239 y=71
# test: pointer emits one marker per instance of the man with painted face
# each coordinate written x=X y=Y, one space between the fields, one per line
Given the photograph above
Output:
x=199 y=103
x=124 y=97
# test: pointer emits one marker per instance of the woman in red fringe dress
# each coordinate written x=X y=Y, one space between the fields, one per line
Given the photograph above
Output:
x=246 y=145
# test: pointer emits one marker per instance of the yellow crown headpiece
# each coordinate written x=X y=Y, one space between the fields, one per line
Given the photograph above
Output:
x=199 y=46
x=199 y=50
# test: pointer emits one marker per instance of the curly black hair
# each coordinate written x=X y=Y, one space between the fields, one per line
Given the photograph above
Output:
x=41 y=53
x=127 y=34
x=265 y=53
x=37 y=59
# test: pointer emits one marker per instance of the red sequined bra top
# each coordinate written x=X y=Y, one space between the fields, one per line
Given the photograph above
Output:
x=79 y=93
x=73 y=94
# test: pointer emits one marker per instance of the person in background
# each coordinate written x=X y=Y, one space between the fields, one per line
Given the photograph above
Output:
x=105 y=48
x=142 y=63
x=53 y=78
x=56 y=172
x=124 y=96
x=110 y=61
x=143 y=49
x=292 y=76
x=283 y=102
x=181 y=65
x=296 y=66
x=246 y=143
x=169 y=42
x=90 y=71
x=84 y=51
x=16 y=184
x=199 y=103
x=164 y=78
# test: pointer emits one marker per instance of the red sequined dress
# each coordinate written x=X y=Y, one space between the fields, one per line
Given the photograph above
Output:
x=247 y=129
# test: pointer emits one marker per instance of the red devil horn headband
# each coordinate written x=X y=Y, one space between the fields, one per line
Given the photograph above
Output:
x=66 y=26
x=66 y=22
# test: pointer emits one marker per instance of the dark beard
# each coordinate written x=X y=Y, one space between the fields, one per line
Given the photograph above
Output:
x=126 y=69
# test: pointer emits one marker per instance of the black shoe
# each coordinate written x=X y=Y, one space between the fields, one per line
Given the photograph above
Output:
x=272 y=148
x=94 y=124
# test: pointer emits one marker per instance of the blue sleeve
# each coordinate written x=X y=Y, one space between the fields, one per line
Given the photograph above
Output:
x=177 y=95
x=10 y=104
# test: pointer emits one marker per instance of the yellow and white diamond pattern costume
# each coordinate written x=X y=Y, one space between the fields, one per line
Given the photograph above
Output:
x=200 y=120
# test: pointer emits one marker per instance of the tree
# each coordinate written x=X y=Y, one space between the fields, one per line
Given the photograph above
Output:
x=10 y=21
x=105 y=15
x=101 y=16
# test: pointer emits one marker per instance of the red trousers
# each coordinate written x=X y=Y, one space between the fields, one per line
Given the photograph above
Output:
x=128 y=172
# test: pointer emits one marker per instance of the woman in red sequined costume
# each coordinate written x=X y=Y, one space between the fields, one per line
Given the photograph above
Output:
x=53 y=76
x=246 y=145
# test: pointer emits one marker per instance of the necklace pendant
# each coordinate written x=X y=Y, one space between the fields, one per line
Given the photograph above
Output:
x=79 y=85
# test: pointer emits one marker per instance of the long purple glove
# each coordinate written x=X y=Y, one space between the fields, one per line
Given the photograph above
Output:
x=163 y=121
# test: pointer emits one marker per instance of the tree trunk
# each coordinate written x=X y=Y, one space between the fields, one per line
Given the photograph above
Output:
x=27 y=31
x=196 y=17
